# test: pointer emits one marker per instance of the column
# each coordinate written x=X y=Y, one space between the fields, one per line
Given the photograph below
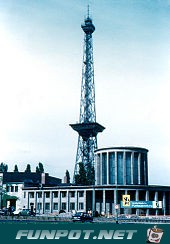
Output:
x=137 y=199
x=147 y=199
x=28 y=200
x=156 y=199
x=132 y=162
x=96 y=169
x=146 y=169
x=76 y=200
x=93 y=200
x=108 y=182
x=164 y=203
x=116 y=202
x=67 y=201
x=43 y=202
x=100 y=168
x=51 y=201
x=139 y=173
x=124 y=168
x=104 y=202
x=36 y=196
x=85 y=201
x=116 y=178
x=59 y=200
x=115 y=196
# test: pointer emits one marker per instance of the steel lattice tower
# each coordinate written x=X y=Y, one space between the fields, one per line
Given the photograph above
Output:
x=87 y=127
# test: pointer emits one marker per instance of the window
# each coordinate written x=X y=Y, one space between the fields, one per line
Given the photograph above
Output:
x=81 y=193
x=47 y=194
x=31 y=194
x=64 y=193
x=55 y=194
x=72 y=206
x=81 y=205
x=39 y=194
x=24 y=194
x=39 y=206
x=72 y=194
x=12 y=188
x=7 y=188
x=55 y=206
x=16 y=188
x=47 y=206
x=63 y=206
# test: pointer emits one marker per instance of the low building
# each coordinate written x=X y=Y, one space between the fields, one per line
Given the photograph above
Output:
x=101 y=198
x=12 y=184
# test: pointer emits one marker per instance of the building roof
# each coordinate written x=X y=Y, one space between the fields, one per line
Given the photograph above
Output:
x=30 y=179
x=131 y=148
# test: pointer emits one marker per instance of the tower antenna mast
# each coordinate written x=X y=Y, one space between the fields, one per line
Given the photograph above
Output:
x=87 y=127
x=88 y=11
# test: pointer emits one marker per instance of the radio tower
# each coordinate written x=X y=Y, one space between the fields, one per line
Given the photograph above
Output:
x=87 y=127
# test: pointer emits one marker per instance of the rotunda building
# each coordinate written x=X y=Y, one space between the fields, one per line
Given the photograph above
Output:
x=121 y=166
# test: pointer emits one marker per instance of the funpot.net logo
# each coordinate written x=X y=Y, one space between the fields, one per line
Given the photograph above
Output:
x=76 y=234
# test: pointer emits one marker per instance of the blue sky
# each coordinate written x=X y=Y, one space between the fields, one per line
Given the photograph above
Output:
x=41 y=49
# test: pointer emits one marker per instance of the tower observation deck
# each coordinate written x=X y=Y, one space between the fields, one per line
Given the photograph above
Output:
x=87 y=127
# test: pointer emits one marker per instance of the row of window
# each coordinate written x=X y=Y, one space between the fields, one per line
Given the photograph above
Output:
x=12 y=188
x=55 y=194
x=63 y=206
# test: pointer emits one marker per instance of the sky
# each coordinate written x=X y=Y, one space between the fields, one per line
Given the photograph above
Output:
x=41 y=52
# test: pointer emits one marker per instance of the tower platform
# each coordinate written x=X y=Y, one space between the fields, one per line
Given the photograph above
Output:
x=87 y=130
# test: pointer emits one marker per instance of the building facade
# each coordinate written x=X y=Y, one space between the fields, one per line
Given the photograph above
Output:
x=101 y=198
x=13 y=183
x=121 y=166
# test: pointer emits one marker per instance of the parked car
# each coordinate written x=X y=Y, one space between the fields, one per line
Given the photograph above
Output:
x=16 y=212
x=24 y=212
x=5 y=212
x=62 y=211
x=82 y=217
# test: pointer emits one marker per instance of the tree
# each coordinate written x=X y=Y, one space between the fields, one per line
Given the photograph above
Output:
x=37 y=170
x=40 y=168
x=90 y=174
x=67 y=176
x=86 y=175
x=81 y=177
x=28 y=168
x=3 y=167
x=16 y=168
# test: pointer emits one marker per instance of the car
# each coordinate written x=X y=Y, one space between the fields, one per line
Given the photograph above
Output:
x=82 y=217
x=24 y=212
x=62 y=211
x=16 y=212
x=4 y=211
